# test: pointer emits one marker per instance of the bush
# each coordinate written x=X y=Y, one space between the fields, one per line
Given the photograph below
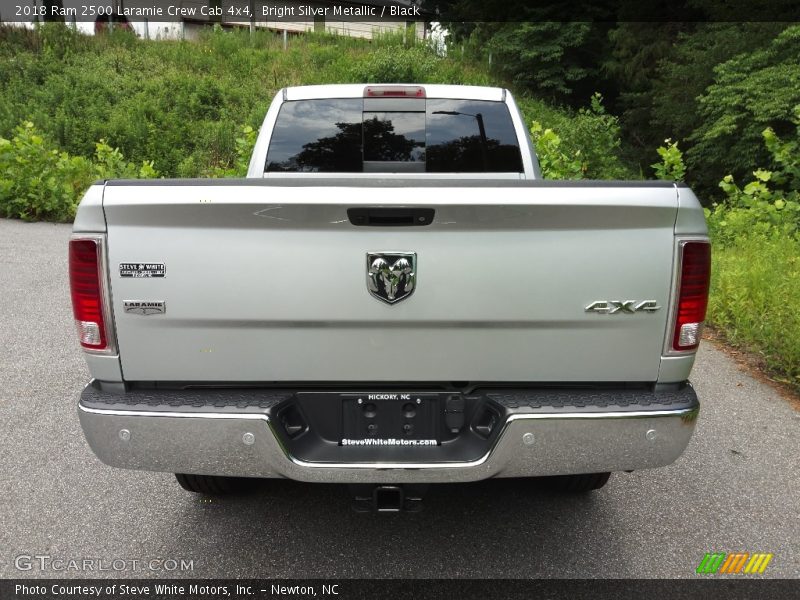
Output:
x=396 y=65
x=39 y=182
x=555 y=162
x=580 y=145
x=110 y=164
x=769 y=205
x=36 y=180
x=671 y=167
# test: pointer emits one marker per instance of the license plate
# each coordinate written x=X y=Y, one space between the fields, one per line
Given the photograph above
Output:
x=390 y=419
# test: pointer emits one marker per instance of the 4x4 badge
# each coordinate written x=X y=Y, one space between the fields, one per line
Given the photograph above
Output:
x=610 y=307
x=391 y=276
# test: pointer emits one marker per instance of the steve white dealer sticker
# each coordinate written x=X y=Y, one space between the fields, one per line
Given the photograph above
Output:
x=142 y=269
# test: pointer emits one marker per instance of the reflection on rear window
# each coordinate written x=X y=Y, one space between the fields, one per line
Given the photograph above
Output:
x=395 y=136
x=317 y=136
x=451 y=136
x=470 y=136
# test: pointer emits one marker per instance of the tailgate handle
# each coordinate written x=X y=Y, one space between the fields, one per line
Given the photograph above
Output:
x=390 y=217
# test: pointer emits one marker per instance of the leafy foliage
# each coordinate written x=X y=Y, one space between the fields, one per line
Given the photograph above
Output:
x=713 y=86
x=755 y=283
x=396 y=65
x=637 y=50
x=687 y=69
x=750 y=92
x=542 y=56
x=182 y=104
x=553 y=160
x=39 y=182
x=658 y=72
x=671 y=167
x=36 y=180
x=584 y=144
x=769 y=205
x=244 y=148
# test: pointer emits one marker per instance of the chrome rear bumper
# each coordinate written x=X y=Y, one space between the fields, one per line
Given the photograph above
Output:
x=530 y=443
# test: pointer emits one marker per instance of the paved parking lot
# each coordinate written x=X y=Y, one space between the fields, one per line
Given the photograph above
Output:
x=737 y=488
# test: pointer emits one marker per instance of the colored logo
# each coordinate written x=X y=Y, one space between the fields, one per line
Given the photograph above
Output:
x=735 y=563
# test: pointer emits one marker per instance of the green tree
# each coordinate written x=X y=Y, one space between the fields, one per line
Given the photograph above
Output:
x=531 y=46
x=553 y=60
x=637 y=50
x=750 y=92
x=688 y=70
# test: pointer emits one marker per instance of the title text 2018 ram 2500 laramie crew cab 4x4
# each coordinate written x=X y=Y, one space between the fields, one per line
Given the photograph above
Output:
x=392 y=296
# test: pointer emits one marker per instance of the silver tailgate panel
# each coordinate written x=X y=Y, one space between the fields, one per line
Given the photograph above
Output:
x=269 y=284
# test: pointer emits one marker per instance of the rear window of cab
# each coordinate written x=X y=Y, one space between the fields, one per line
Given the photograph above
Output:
x=340 y=136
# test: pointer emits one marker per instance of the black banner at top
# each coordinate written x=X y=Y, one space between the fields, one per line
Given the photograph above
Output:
x=269 y=12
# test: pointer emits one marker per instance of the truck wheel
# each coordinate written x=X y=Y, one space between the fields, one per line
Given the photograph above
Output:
x=214 y=485
x=578 y=483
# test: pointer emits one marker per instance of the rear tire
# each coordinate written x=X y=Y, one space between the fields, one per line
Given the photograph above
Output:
x=212 y=485
x=578 y=483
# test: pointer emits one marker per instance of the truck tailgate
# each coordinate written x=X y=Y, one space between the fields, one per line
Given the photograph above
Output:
x=268 y=282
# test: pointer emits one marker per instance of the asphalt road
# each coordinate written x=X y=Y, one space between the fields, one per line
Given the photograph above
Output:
x=737 y=487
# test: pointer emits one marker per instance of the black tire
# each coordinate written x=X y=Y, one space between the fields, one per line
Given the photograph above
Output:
x=212 y=485
x=578 y=483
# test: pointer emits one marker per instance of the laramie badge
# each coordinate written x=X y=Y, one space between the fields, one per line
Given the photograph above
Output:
x=144 y=307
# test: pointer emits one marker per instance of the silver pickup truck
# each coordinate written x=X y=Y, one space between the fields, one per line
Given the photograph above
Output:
x=393 y=296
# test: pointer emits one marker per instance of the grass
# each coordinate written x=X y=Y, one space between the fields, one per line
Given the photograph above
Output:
x=755 y=301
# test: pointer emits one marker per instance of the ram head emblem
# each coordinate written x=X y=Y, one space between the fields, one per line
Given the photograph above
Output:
x=391 y=276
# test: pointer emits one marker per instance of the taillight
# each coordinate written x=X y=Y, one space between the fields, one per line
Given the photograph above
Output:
x=85 y=281
x=690 y=310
